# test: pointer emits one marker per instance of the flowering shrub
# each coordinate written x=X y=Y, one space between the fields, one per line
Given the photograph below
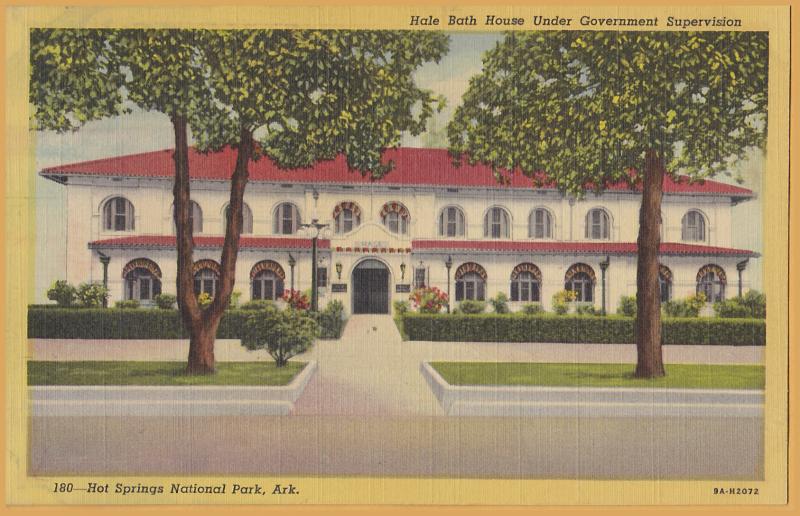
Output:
x=296 y=299
x=204 y=299
x=561 y=300
x=428 y=300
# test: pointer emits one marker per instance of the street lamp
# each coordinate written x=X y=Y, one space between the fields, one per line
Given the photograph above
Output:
x=402 y=271
x=603 y=267
x=448 y=263
x=292 y=263
x=339 y=270
x=316 y=228
x=105 y=260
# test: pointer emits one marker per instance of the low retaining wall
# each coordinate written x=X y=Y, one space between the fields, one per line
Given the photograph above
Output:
x=239 y=400
x=591 y=401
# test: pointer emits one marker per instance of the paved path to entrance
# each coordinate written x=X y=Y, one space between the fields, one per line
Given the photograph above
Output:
x=369 y=371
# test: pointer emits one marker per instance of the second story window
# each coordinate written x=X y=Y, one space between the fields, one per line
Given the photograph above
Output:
x=598 y=225
x=118 y=215
x=451 y=222
x=395 y=217
x=286 y=219
x=195 y=218
x=495 y=224
x=541 y=224
x=247 y=219
x=347 y=217
x=693 y=227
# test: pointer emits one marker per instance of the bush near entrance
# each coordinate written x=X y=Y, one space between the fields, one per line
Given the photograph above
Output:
x=119 y=323
x=519 y=327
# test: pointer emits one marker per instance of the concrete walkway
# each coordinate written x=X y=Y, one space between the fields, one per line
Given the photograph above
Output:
x=369 y=371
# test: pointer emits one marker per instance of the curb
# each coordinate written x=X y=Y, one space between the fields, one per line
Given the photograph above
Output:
x=591 y=401
x=239 y=400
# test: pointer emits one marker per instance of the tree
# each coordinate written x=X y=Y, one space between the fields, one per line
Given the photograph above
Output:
x=596 y=108
x=295 y=96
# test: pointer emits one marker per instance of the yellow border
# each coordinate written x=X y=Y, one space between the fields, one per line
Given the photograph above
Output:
x=19 y=220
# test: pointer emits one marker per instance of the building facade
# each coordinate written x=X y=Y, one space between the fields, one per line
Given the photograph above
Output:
x=426 y=223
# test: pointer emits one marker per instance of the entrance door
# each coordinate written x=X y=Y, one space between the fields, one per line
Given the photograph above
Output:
x=371 y=288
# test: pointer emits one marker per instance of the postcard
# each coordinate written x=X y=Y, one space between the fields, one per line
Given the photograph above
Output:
x=422 y=255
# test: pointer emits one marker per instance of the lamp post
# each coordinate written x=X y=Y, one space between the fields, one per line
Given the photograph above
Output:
x=448 y=263
x=105 y=260
x=292 y=263
x=740 y=267
x=603 y=267
x=402 y=271
x=339 y=270
x=316 y=227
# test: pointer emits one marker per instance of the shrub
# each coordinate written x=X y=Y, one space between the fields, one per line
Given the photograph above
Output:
x=92 y=295
x=296 y=300
x=283 y=334
x=204 y=299
x=401 y=307
x=258 y=304
x=472 y=306
x=165 y=301
x=582 y=309
x=752 y=304
x=428 y=300
x=627 y=306
x=500 y=303
x=532 y=308
x=127 y=304
x=331 y=320
x=576 y=329
x=689 y=307
x=99 y=323
x=62 y=293
x=235 y=297
x=561 y=301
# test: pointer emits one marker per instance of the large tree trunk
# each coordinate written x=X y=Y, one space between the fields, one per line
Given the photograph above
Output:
x=649 y=362
x=203 y=323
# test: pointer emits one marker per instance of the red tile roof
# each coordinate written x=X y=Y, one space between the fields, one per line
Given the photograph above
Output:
x=540 y=247
x=524 y=246
x=205 y=242
x=424 y=167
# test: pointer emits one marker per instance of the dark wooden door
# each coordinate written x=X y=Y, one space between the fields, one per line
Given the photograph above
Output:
x=370 y=291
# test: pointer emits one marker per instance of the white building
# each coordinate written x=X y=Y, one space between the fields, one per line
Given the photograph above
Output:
x=386 y=237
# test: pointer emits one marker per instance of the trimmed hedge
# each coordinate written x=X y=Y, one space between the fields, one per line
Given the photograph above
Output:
x=113 y=323
x=577 y=329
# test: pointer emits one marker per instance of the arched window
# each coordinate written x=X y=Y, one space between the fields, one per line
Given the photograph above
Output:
x=247 y=219
x=540 y=224
x=711 y=281
x=665 y=283
x=118 y=214
x=495 y=223
x=526 y=282
x=598 y=225
x=470 y=282
x=693 y=226
x=347 y=217
x=195 y=217
x=266 y=280
x=142 y=280
x=451 y=222
x=206 y=277
x=580 y=278
x=285 y=219
x=395 y=217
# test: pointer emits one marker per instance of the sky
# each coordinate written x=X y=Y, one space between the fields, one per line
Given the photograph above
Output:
x=147 y=131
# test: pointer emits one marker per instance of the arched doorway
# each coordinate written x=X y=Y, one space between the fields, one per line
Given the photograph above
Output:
x=371 y=288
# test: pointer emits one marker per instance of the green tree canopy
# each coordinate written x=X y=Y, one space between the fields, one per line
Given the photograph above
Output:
x=586 y=106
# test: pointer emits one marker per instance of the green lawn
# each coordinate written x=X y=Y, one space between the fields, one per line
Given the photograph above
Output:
x=686 y=376
x=158 y=373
